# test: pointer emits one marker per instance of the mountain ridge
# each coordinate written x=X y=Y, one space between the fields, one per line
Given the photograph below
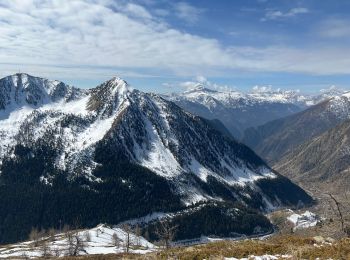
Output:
x=237 y=110
x=276 y=138
x=329 y=162
x=114 y=146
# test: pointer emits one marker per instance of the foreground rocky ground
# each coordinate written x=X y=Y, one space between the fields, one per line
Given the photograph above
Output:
x=277 y=247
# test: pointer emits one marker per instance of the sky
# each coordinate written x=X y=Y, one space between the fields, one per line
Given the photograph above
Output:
x=160 y=45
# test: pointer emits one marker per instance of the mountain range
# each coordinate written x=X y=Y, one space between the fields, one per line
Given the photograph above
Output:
x=239 y=111
x=275 y=139
x=111 y=153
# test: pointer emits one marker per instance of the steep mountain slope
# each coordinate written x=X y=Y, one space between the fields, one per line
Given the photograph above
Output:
x=112 y=153
x=237 y=110
x=274 y=139
x=326 y=158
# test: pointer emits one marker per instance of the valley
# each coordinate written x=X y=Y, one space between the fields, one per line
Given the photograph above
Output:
x=118 y=155
x=174 y=129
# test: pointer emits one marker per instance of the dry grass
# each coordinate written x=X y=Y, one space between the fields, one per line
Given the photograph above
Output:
x=298 y=247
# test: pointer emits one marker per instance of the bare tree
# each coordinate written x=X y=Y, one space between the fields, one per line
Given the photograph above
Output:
x=45 y=250
x=87 y=236
x=137 y=232
x=25 y=256
x=66 y=228
x=338 y=205
x=166 y=232
x=75 y=243
x=127 y=239
x=98 y=231
x=56 y=251
x=51 y=233
x=115 y=240
x=35 y=236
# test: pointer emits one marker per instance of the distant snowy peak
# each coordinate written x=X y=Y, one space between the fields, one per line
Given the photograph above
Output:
x=235 y=99
x=332 y=91
x=346 y=94
x=326 y=94
x=24 y=90
x=200 y=88
x=339 y=105
x=280 y=96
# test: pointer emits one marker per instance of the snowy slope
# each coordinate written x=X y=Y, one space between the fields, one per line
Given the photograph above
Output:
x=98 y=240
x=304 y=220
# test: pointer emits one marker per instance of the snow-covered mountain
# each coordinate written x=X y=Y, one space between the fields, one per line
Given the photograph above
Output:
x=326 y=94
x=238 y=110
x=22 y=90
x=236 y=99
x=113 y=146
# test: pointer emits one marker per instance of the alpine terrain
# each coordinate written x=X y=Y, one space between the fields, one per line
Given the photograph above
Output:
x=275 y=139
x=112 y=153
x=237 y=110
x=324 y=160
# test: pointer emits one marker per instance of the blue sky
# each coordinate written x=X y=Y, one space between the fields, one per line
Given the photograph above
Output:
x=159 y=45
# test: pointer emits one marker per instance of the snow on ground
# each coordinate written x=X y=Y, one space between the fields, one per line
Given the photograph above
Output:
x=304 y=220
x=159 y=157
x=9 y=124
x=98 y=240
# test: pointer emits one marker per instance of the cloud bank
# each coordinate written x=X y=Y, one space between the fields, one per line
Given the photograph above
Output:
x=84 y=35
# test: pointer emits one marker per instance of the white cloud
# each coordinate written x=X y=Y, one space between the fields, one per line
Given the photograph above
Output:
x=197 y=81
x=187 y=12
x=315 y=61
x=276 y=14
x=335 y=28
x=137 y=11
x=202 y=79
x=93 y=33
x=105 y=35
x=262 y=89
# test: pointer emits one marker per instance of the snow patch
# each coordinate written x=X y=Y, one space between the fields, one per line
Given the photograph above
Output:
x=304 y=220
